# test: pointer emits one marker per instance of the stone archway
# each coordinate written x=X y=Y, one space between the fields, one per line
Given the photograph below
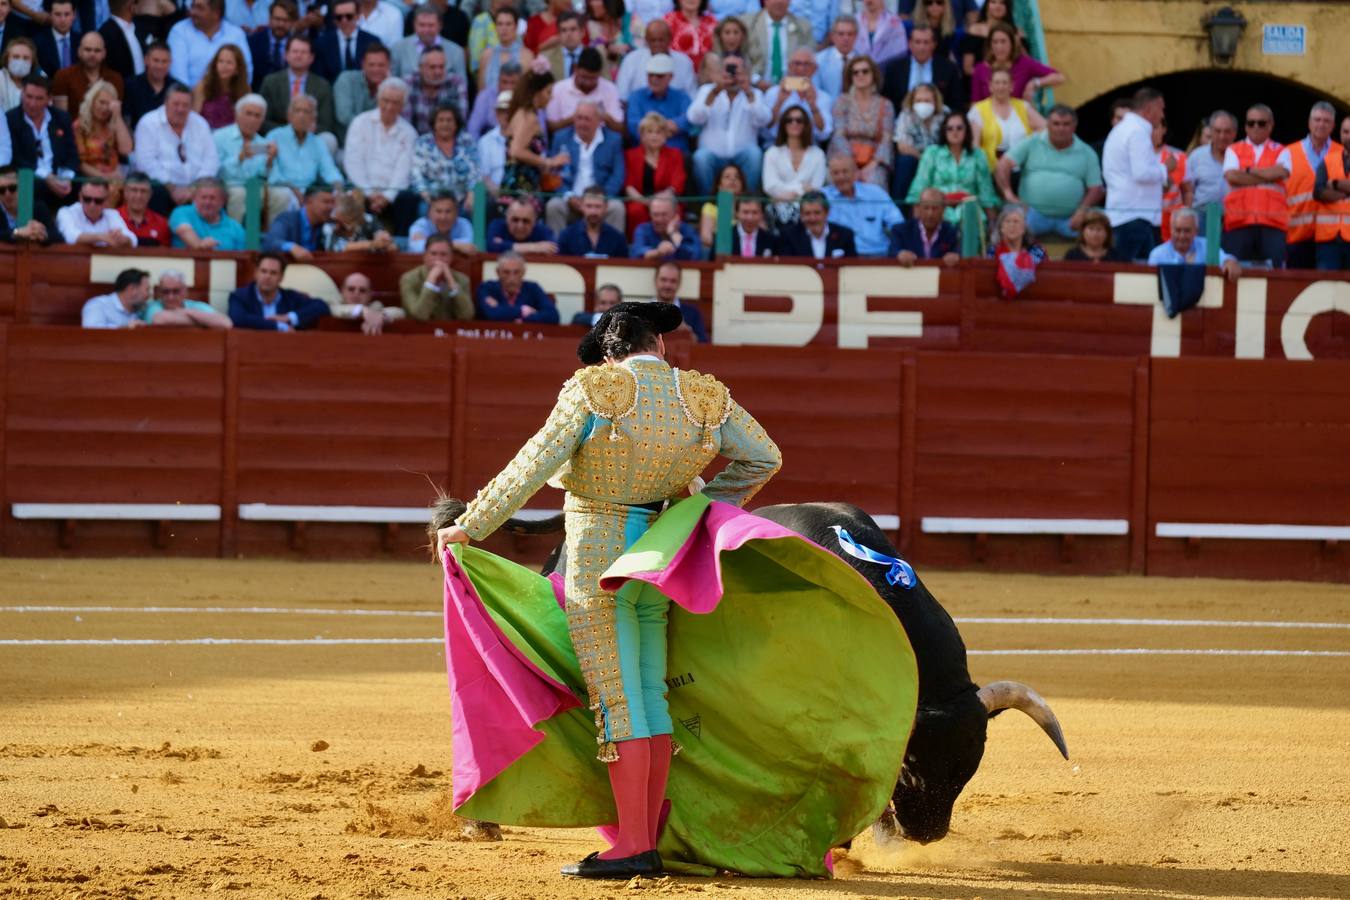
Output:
x=1192 y=95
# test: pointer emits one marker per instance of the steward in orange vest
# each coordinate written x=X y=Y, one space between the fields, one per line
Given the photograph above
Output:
x=1256 y=210
x=1332 y=228
x=1303 y=159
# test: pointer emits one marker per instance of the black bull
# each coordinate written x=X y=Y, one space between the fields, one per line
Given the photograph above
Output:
x=947 y=742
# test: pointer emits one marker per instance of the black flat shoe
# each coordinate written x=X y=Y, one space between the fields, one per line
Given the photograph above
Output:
x=593 y=866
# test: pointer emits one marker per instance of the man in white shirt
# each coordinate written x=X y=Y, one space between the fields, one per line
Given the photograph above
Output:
x=121 y=308
x=492 y=146
x=798 y=90
x=195 y=40
x=381 y=19
x=830 y=61
x=406 y=53
x=89 y=221
x=731 y=111
x=1135 y=177
x=174 y=147
x=379 y=155
x=633 y=69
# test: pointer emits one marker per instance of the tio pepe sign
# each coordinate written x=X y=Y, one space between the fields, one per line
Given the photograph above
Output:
x=1284 y=40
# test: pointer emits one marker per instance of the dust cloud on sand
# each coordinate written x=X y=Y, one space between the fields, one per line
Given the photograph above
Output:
x=170 y=770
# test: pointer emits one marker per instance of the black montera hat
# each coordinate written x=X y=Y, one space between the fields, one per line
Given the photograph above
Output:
x=663 y=318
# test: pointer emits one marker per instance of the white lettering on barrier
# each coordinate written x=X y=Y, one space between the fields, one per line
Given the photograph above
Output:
x=734 y=325
x=857 y=283
x=1316 y=298
x=1251 y=319
x=1136 y=289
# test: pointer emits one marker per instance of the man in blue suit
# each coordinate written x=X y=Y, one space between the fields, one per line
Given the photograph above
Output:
x=58 y=43
x=513 y=299
x=341 y=47
x=595 y=157
x=265 y=305
x=296 y=232
x=268 y=45
x=665 y=236
x=667 y=290
x=815 y=236
x=926 y=236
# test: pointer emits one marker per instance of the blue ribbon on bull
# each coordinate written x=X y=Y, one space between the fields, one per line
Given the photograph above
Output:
x=901 y=572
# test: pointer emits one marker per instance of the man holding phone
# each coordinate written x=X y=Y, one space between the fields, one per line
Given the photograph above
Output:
x=797 y=89
x=730 y=111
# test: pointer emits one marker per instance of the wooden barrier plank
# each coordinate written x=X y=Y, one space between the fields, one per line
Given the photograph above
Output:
x=1003 y=436
x=341 y=420
x=105 y=417
x=834 y=414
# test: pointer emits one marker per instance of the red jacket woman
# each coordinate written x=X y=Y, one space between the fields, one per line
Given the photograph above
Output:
x=649 y=168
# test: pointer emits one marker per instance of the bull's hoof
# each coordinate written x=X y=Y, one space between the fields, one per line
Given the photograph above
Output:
x=475 y=830
x=886 y=830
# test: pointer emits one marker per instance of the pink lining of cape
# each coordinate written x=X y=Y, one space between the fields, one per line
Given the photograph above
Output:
x=498 y=694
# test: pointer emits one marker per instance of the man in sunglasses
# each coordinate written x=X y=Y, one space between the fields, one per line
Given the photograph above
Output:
x=89 y=221
x=342 y=47
x=1256 y=211
x=38 y=229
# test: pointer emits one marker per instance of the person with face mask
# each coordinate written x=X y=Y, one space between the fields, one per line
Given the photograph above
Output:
x=917 y=127
x=18 y=60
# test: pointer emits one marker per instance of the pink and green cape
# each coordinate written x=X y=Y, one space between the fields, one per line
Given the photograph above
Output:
x=792 y=687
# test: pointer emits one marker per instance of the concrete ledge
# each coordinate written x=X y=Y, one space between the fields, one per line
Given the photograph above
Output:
x=950 y=525
x=1253 y=532
x=161 y=512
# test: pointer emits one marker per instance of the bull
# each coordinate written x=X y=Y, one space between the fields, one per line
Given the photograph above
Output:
x=947 y=742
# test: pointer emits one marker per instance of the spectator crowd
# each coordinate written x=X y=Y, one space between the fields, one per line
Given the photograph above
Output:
x=897 y=128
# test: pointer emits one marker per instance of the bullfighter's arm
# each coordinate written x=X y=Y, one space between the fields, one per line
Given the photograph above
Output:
x=536 y=462
x=754 y=459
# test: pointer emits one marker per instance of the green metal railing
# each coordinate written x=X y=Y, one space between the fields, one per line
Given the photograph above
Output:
x=973 y=228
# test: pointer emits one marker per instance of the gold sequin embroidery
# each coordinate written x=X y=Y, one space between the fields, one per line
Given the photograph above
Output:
x=705 y=400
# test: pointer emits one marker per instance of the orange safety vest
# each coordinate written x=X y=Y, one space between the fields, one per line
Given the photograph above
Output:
x=1260 y=204
x=1333 y=219
x=1171 y=188
x=1303 y=207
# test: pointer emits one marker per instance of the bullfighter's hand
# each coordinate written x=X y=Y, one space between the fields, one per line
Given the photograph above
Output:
x=451 y=534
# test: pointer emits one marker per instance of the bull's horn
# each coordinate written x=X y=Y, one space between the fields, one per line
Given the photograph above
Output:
x=1001 y=695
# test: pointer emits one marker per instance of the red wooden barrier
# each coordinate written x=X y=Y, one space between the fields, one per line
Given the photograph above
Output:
x=101 y=417
x=1249 y=443
x=1010 y=437
x=341 y=419
x=337 y=417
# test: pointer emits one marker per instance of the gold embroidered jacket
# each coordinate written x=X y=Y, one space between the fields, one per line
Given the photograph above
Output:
x=633 y=432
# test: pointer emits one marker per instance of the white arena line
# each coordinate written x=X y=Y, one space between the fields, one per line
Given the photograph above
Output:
x=1148 y=651
x=248 y=610
x=1173 y=623
x=436 y=614
x=217 y=642
x=322 y=642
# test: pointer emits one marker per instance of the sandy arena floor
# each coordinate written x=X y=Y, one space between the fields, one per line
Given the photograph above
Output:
x=313 y=770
